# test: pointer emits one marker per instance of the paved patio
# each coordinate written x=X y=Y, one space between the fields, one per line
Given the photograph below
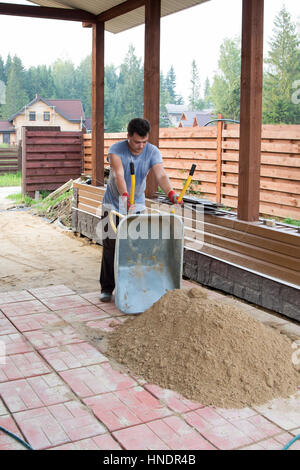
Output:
x=59 y=391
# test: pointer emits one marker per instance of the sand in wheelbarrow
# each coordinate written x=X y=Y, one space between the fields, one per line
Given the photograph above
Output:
x=210 y=352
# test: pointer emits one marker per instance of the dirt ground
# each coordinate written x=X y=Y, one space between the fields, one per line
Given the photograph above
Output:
x=34 y=253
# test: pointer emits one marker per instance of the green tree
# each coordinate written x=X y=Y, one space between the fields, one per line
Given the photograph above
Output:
x=283 y=70
x=112 y=115
x=2 y=70
x=165 y=98
x=16 y=96
x=195 y=100
x=225 y=90
x=39 y=81
x=83 y=84
x=131 y=88
x=207 y=91
x=7 y=67
x=63 y=73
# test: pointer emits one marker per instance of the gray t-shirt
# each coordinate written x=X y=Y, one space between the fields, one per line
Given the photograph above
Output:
x=142 y=164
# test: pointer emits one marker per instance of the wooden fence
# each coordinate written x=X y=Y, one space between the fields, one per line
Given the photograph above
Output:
x=10 y=159
x=49 y=159
x=215 y=150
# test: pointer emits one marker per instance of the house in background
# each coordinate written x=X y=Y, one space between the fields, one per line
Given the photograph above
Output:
x=195 y=118
x=180 y=116
x=7 y=133
x=67 y=114
x=175 y=112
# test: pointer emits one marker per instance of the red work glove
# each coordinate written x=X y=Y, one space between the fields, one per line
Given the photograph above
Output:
x=173 y=197
x=126 y=201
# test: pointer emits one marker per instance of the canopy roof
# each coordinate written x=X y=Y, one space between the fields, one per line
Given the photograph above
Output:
x=121 y=23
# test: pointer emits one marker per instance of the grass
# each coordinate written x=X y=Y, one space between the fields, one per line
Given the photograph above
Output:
x=18 y=198
x=10 y=179
x=291 y=222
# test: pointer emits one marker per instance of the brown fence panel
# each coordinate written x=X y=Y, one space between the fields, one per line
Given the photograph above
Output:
x=280 y=169
x=50 y=159
x=9 y=160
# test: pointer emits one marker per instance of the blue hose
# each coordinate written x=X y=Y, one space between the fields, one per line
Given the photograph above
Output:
x=291 y=442
x=11 y=434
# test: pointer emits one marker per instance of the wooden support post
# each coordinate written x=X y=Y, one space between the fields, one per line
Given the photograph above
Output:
x=152 y=78
x=98 y=105
x=251 y=110
x=220 y=126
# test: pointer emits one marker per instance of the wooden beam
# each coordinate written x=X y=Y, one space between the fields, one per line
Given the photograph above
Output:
x=120 y=9
x=98 y=105
x=67 y=14
x=251 y=110
x=152 y=78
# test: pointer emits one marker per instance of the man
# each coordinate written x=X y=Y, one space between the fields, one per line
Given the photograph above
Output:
x=144 y=156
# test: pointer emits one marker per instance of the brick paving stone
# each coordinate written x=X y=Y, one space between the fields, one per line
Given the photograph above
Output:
x=21 y=366
x=285 y=413
x=49 y=339
x=3 y=410
x=139 y=437
x=50 y=426
x=275 y=443
x=215 y=429
x=107 y=324
x=103 y=442
x=51 y=291
x=97 y=379
x=65 y=302
x=178 y=434
x=111 y=309
x=82 y=314
x=173 y=400
x=92 y=297
x=16 y=344
x=37 y=321
x=235 y=413
x=126 y=408
x=35 y=392
x=256 y=427
x=19 y=396
x=6 y=441
x=6 y=327
x=72 y=356
x=27 y=307
x=14 y=296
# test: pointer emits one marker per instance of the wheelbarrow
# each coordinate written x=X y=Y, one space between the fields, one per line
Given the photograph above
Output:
x=148 y=256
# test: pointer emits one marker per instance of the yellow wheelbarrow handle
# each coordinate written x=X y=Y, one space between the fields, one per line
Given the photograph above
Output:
x=112 y=223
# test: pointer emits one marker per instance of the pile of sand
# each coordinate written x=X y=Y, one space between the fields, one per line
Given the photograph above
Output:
x=210 y=352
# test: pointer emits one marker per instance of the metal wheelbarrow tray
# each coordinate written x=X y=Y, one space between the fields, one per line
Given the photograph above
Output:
x=148 y=260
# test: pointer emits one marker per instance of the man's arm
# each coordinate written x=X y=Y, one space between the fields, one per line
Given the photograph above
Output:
x=118 y=170
x=162 y=178
x=164 y=183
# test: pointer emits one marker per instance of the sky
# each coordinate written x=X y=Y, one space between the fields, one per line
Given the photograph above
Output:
x=193 y=34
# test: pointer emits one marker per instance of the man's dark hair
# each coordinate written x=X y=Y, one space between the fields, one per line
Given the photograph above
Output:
x=139 y=126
